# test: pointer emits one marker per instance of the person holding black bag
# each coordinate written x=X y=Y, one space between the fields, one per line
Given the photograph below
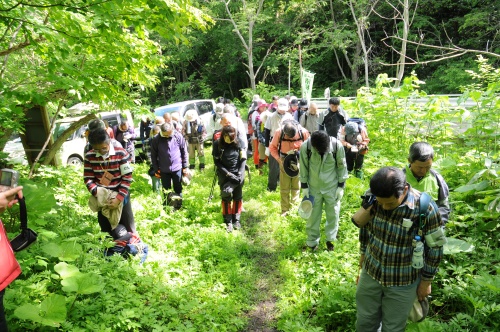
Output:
x=230 y=160
x=9 y=268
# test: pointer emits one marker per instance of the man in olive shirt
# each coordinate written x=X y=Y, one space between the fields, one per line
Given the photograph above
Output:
x=421 y=177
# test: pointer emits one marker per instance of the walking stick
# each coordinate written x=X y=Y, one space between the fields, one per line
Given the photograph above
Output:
x=213 y=186
x=248 y=172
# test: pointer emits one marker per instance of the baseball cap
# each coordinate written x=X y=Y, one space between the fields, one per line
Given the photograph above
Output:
x=282 y=104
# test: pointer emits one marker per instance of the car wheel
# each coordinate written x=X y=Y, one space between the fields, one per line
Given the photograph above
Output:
x=75 y=161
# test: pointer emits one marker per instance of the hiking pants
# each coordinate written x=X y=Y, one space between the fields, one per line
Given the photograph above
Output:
x=262 y=152
x=377 y=304
x=332 y=211
x=169 y=178
x=255 y=149
x=289 y=190
x=274 y=174
x=126 y=219
x=192 y=148
x=354 y=160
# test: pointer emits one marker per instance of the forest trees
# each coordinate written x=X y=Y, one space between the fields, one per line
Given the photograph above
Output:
x=84 y=50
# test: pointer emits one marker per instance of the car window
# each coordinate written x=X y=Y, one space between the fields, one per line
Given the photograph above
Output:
x=112 y=120
x=204 y=107
x=60 y=128
x=189 y=107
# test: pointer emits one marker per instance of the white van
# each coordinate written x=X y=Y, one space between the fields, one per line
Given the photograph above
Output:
x=71 y=151
x=204 y=107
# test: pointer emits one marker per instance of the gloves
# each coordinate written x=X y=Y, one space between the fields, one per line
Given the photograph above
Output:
x=158 y=174
x=233 y=178
x=305 y=192
x=339 y=193
x=267 y=152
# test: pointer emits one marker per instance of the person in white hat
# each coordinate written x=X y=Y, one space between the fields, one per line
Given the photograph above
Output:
x=194 y=133
x=323 y=173
x=272 y=124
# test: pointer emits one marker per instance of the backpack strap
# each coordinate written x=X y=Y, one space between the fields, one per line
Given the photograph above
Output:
x=425 y=200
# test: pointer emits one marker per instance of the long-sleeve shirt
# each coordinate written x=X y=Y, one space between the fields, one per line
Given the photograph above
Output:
x=95 y=166
x=434 y=184
x=387 y=245
x=322 y=173
x=169 y=154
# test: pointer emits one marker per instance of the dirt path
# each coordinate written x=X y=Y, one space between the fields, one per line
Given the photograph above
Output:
x=262 y=318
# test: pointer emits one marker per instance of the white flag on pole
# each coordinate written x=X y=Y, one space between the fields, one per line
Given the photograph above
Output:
x=307 y=84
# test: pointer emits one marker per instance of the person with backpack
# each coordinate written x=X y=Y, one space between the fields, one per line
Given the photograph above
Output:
x=169 y=157
x=333 y=119
x=230 y=161
x=421 y=176
x=285 y=150
x=273 y=123
x=401 y=249
x=322 y=175
x=124 y=133
x=194 y=133
x=259 y=132
x=310 y=119
x=302 y=107
x=354 y=138
x=252 y=117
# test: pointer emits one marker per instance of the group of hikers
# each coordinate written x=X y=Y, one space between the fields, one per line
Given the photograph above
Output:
x=306 y=150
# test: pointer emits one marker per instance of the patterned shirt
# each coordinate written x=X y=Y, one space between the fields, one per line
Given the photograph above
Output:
x=387 y=245
x=95 y=166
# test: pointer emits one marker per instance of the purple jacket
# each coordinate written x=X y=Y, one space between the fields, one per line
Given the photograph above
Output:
x=169 y=154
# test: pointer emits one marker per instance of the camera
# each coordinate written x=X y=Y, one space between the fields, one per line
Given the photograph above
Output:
x=8 y=179
x=368 y=199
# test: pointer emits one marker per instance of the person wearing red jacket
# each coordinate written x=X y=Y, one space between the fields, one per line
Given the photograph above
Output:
x=8 y=273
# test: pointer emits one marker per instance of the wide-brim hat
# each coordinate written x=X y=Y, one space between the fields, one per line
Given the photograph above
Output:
x=291 y=165
x=419 y=310
x=191 y=115
x=306 y=207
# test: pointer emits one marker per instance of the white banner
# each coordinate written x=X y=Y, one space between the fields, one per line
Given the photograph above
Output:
x=307 y=84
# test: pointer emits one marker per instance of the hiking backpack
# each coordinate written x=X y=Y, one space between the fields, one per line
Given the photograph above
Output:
x=353 y=128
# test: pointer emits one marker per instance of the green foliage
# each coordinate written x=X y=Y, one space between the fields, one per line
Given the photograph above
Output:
x=199 y=278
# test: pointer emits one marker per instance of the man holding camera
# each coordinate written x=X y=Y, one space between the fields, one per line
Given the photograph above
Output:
x=392 y=275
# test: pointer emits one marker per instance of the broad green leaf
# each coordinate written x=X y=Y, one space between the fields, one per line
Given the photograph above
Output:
x=51 y=312
x=456 y=245
x=66 y=270
x=473 y=187
x=83 y=283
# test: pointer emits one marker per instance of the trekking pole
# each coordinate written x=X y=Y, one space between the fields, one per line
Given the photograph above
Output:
x=248 y=172
x=213 y=186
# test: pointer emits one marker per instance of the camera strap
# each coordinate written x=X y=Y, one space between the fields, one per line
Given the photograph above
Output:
x=27 y=236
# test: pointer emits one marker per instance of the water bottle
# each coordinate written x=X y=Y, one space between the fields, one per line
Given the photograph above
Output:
x=418 y=254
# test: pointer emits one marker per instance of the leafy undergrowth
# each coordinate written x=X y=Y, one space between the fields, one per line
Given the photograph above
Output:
x=199 y=278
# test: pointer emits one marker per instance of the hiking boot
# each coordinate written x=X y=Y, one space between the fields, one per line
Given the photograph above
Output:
x=202 y=167
x=229 y=227
x=329 y=246
x=359 y=174
x=284 y=213
x=237 y=225
x=191 y=166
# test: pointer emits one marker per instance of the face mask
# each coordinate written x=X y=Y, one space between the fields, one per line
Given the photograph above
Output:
x=228 y=139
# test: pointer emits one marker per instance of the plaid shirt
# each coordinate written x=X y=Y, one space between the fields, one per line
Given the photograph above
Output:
x=388 y=248
x=95 y=166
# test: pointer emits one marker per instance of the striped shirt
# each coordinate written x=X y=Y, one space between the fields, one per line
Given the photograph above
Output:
x=95 y=166
x=388 y=248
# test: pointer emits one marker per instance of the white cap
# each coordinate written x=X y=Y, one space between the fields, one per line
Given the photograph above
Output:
x=282 y=104
x=306 y=207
